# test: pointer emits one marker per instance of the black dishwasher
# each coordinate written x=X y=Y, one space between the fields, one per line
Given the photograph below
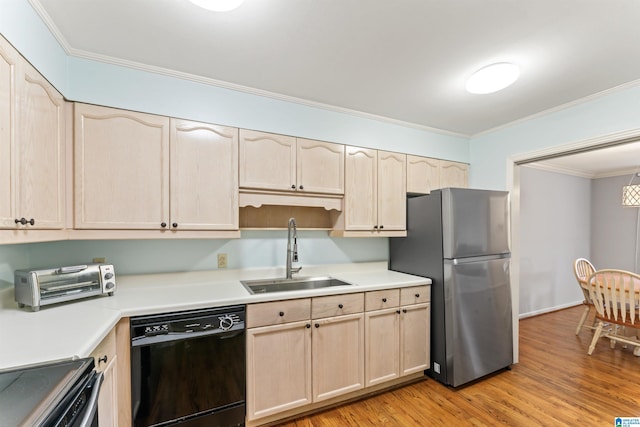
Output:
x=188 y=368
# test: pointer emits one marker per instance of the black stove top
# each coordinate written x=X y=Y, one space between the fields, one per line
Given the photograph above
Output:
x=28 y=395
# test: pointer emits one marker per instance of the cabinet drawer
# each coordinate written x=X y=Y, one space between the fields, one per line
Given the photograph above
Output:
x=378 y=300
x=106 y=348
x=337 y=305
x=415 y=295
x=278 y=312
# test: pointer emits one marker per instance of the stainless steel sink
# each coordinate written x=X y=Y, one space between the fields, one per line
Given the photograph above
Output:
x=296 y=284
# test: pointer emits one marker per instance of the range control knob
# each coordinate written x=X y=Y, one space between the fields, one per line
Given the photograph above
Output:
x=226 y=322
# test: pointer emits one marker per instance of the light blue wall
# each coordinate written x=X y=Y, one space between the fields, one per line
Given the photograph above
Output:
x=93 y=82
x=613 y=113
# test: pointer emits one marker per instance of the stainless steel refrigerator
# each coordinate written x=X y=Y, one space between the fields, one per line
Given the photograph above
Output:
x=459 y=238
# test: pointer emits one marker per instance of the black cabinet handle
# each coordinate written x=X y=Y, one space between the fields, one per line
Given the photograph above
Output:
x=317 y=325
x=281 y=313
x=17 y=221
x=340 y=306
x=32 y=221
x=398 y=311
x=102 y=359
x=163 y=224
x=175 y=225
x=308 y=325
x=384 y=300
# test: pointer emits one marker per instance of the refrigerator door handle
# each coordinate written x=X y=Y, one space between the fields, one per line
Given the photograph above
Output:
x=458 y=261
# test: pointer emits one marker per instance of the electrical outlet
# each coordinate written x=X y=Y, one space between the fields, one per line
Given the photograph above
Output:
x=222 y=260
x=101 y=260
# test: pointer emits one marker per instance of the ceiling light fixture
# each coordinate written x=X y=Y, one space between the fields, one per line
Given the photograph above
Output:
x=493 y=78
x=218 y=5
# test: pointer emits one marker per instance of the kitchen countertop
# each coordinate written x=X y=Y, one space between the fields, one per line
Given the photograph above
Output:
x=73 y=330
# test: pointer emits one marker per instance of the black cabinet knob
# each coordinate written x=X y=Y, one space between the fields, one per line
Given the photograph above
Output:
x=398 y=311
x=32 y=221
x=384 y=300
x=308 y=325
x=375 y=227
x=381 y=227
x=174 y=225
x=17 y=221
x=163 y=224
x=281 y=313
x=404 y=310
x=293 y=187
x=340 y=306
x=317 y=325
x=302 y=187
x=417 y=295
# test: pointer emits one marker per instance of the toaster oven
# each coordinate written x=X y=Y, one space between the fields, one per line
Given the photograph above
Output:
x=35 y=288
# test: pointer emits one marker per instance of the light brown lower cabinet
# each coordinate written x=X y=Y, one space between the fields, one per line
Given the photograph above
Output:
x=306 y=353
x=107 y=362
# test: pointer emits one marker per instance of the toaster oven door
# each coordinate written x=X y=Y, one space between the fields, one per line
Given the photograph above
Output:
x=67 y=282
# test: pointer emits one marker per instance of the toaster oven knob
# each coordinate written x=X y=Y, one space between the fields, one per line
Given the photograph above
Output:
x=109 y=285
x=108 y=275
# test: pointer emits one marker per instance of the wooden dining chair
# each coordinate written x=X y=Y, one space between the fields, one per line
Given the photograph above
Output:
x=582 y=269
x=616 y=297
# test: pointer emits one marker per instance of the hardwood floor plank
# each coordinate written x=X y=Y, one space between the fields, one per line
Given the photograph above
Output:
x=555 y=383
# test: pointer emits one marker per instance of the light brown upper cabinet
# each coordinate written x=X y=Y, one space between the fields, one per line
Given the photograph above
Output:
x=288 y=164
x=453 y=174
x=423 y=174
x=204 y=176
x=32 y=146
x=375 y=192
x=146 y=172
x=121 y=169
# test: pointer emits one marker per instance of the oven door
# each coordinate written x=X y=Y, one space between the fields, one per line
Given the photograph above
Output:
x=79 y=408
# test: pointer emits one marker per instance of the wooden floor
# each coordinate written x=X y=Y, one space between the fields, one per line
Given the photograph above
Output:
x=555 y=384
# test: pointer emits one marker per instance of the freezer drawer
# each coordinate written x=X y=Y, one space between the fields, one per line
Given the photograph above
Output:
x=474 y=222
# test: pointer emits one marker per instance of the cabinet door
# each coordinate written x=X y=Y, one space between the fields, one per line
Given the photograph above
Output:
x=121 y=169
x=40 y=143
x=361 y=182
x=278 y=368
x=382 y=360
x=392 y=191
x=204 y=176
x=338 y=356
x=453 y=174
x=320 y=167
x=267 y=161
x=108 y=399
x=423 y=174
x=414 y=338
x=8 y=110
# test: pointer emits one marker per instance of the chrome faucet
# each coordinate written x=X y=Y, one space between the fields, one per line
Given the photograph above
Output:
x=292 y=254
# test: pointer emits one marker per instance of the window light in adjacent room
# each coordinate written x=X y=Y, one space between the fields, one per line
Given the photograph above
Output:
x=493 y=78
x=218 y=5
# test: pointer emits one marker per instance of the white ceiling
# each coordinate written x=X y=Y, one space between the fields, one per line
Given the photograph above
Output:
x=399 y=60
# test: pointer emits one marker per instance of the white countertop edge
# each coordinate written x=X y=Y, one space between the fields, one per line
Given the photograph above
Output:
x=147 y=294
